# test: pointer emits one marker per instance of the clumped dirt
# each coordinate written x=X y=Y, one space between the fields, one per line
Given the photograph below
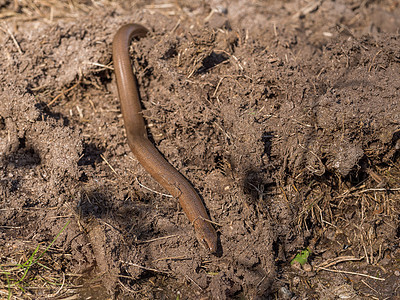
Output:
x=283 y=115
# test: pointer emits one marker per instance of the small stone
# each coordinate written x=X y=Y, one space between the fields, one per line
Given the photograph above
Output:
x=296 y=265
x=284 y=293
x=307 y=267
x=296 y=281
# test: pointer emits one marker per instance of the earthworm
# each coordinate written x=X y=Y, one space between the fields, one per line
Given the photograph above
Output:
x=144 y=151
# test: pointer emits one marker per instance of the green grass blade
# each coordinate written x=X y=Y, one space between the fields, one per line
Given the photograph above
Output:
x=8 y=282
x=52 y=242
x=31 y=261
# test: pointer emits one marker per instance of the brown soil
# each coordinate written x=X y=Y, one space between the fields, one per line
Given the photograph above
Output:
x=283 y=115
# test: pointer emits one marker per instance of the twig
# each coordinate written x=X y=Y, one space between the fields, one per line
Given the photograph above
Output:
x=223 y=130
x=262 y=279
x=159 y=6
x=7 y=30
x=352 y=273
x=149 y=189
x=334 y=261
x=373 y=60
x=59 y=290
x=231 y=55
x=109 y=225
x=112 y=169
x=194 y=282
x=157 y=239
x=380 y=190
x=144 y=268
x=125 y=287
x=100 y=65
x=206 y=220
x=171 y=258
x=219 y=83
x=10 y=227
x=369 y=286
x=62 y=94
x=176 y=26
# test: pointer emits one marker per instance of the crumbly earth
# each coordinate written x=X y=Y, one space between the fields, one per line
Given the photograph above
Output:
x=284 y=115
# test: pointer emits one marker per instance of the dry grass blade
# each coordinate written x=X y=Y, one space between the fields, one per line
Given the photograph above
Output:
x=145 y=268
x=19 y=276
x=334 y=261
x=7 y=30
x=108 y=164
x=62 y=94
x=352 y=273
x=157 y=239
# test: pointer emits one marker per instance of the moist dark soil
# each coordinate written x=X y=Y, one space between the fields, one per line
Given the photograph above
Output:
x=284 y=115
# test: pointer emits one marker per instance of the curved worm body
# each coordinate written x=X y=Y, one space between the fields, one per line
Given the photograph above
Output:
x=144 y=150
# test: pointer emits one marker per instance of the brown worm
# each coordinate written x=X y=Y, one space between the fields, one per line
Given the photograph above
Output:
x=145 y=152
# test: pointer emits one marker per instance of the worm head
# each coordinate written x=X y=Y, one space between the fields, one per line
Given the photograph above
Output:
x=207 y=236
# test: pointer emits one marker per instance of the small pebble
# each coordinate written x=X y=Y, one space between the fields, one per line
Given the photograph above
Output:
x=296 y=265
x=307 y=267
x=285 y=293
x=296 y=281
x=221 y=9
